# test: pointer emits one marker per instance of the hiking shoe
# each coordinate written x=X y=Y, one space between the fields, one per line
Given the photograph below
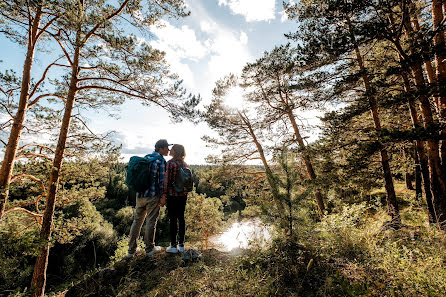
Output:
x=181 y=248
x=131 y=255
x=172 y=249
x=156 y=249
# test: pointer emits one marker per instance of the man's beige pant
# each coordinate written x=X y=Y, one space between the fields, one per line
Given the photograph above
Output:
x=146 y=206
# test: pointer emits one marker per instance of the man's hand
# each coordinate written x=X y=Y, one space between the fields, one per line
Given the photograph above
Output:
x=163 y=201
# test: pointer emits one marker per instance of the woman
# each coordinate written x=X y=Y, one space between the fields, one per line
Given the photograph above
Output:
x=176 y=201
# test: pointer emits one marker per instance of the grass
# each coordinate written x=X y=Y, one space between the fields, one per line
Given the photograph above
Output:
x=346 y=254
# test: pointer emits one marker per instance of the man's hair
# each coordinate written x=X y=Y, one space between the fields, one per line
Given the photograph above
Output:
x=178 y=151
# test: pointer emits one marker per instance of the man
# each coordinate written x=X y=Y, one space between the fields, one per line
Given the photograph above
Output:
x=149 y=203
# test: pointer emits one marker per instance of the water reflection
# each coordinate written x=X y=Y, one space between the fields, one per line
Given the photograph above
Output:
x=241 y=235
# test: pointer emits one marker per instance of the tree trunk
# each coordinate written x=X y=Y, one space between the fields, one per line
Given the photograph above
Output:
x=408 y=177
x=439 y=49
x=392 y=204
x=19 y=118
x=39 y=276
x=420 y=154
x=437 y=175
x=269 y=174
x=438 y=80
x=436 y=172
x=418 y=189
x=308 y=163
x=430 y=71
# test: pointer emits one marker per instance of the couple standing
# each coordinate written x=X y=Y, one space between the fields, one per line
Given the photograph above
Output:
x=161 y=192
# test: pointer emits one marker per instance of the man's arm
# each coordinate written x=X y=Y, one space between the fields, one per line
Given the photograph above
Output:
x=162 y=175
x=162 y=182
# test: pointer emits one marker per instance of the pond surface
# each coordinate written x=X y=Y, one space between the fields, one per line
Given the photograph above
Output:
x=241 y=235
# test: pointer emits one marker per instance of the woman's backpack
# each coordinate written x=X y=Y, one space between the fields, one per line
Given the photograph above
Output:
x=183 y=182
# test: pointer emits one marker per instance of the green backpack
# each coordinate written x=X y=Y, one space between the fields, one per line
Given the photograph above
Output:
x=138 y=173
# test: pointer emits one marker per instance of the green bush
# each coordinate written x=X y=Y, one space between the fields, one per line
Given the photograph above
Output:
x=123 y=220
x=91 y=247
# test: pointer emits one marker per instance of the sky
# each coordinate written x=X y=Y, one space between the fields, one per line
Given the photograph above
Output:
x=218 y=38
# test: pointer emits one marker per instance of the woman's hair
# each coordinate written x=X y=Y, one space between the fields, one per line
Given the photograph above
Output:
x=178 y=151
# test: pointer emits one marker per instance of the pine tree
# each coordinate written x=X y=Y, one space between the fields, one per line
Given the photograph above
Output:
x=273 y=82
x=330 y=34
x=24 y=22
x=138 y=72
x=241 y=137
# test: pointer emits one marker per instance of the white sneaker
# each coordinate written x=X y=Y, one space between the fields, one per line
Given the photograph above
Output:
x=172 y=249
x=156 y=249
x=181 y=248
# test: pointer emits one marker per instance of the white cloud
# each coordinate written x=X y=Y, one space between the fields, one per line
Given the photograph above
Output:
x=284 y=16
x=181 y=46
x=229 y=54
x=252 y=10
x=243 y=38
x=182 y=40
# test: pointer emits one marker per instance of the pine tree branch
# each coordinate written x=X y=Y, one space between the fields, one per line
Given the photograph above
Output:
x=61 y=46
x=36 y=215
x=85 y=125
x=46 y=26
x=151 y=98
x=43 y=96
x=35 y=144
x=7 y=109
x=118 y=11
x=43 y=77
x=26 y=155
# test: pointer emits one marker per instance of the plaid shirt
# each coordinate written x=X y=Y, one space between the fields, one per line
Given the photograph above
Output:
x=172 y=172
x=158 y=175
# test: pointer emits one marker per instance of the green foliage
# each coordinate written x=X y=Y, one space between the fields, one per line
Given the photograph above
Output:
x=123 y=220
x=91 y=246
x=203 y=217
x=17 y=259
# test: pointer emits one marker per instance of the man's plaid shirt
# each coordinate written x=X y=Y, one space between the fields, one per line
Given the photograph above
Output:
x=158 y=175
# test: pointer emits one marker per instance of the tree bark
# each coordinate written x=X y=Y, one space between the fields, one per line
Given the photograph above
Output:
x=437 y=175
x=408 y=177
x=420 y=153
x=38 y=281
x=19 y=118
x=307 y=161
x=392 y=204
x=418 y=181
x=437 y=79
x=269 y=174
x=439 y=46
